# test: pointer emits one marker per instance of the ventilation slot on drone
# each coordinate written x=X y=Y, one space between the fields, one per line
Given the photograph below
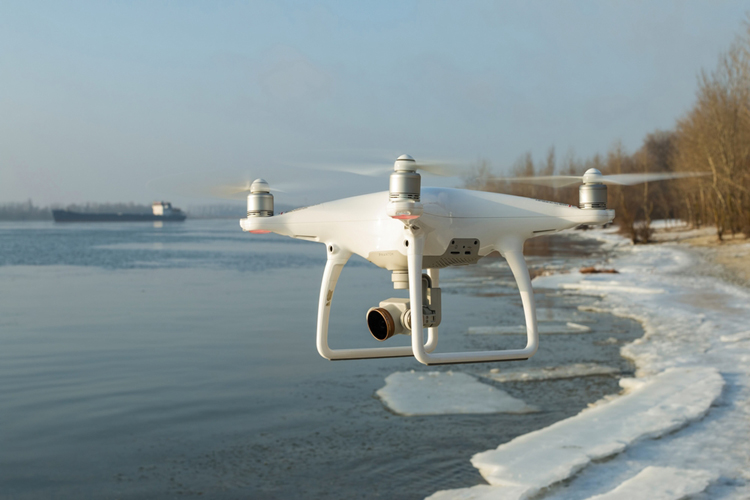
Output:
x=460 y=252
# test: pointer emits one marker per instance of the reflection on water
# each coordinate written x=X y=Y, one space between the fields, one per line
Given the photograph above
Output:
x=143 y=362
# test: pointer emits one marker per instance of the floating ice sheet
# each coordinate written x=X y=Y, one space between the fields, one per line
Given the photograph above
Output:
x=479 y=492
x=552 y=372
x=610 y=286
x=736 y=337
x=546 y=329
x=437 y=393
x=593 y=308
x=652 y=407
x=661 y=483
x=561 y=315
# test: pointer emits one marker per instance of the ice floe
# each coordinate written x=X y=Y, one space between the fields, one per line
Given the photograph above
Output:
x=736 y=337
x=561 y=315
x=661 y=483
x=650 y=408
x=552 y=372
x=476 y=282
x=691 y=322
x=547 y=329
x=652 y=483
x=438 y=393
x=611 y=286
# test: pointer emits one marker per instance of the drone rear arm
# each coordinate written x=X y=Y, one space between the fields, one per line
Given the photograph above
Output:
x=512 y=250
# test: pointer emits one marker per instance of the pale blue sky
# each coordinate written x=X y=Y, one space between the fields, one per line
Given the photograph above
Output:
x=98 y=98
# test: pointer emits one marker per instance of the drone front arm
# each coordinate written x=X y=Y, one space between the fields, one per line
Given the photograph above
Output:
x=337 y=258
x=512 y=250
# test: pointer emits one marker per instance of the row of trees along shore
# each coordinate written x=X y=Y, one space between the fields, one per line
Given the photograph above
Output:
x=26 y=211
x=713 y=137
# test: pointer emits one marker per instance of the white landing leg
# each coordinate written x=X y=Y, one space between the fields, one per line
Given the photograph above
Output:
x=513 y=253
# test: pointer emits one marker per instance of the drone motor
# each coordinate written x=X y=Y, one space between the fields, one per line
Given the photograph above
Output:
x=592 y=194
x=260 y=199
x=405 y=190
x=405 y=182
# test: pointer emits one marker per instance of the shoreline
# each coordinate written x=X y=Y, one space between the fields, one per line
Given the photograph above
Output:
x=728 y=259
x=690 y=294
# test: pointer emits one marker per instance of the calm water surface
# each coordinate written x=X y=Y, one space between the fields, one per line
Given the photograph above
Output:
x=163 y=362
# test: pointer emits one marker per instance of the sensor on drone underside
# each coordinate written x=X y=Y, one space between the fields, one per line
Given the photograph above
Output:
x=460 y=252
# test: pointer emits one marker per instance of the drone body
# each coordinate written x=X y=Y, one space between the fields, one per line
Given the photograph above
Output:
x=361 y=225
x=407 y=230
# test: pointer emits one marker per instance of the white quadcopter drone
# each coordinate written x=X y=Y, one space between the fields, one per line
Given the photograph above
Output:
x=409 y=230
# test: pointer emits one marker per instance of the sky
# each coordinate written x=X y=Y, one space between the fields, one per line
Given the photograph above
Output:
x=110 y=101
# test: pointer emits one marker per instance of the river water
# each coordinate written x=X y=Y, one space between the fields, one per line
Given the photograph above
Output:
x=139 y=361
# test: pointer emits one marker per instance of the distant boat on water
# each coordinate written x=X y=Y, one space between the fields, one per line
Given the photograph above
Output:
x=161 y=211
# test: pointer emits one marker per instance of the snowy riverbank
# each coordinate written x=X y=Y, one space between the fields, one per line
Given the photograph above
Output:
x=691 y=391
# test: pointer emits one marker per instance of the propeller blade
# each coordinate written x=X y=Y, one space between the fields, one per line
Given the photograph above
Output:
x=207 y=187
x=240 y=191
x=558 y=181
x=230 y=191
x=366 y=169
x=376 y=166
x=555 y=181
x=442 y=168
x=631 y=179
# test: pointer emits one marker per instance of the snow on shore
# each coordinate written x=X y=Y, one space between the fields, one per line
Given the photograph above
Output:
x=661 y=483
x=651 y=408
x=696 y=340
x=438 y=393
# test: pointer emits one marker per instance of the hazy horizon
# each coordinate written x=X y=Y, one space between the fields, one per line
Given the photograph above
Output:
x=134 y=101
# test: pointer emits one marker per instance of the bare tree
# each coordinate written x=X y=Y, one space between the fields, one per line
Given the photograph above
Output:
x=715 y=137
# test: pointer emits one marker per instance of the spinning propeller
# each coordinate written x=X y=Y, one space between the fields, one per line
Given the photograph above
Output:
x=201 y=186
x=240 y=191
x=594 y=176
x=592 y=193
x=378 y=166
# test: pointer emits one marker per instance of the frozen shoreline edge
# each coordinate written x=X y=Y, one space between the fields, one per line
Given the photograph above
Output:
x=630 y=351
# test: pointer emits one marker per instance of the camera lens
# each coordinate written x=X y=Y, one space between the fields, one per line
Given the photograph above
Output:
x=380 y=323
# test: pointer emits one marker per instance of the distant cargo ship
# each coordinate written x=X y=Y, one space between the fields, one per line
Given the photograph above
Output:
x=162 y=211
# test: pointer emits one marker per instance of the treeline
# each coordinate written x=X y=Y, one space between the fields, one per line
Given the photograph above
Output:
x=24 y=211
x=28 y=211
x=218 y=211
x=712 y=138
